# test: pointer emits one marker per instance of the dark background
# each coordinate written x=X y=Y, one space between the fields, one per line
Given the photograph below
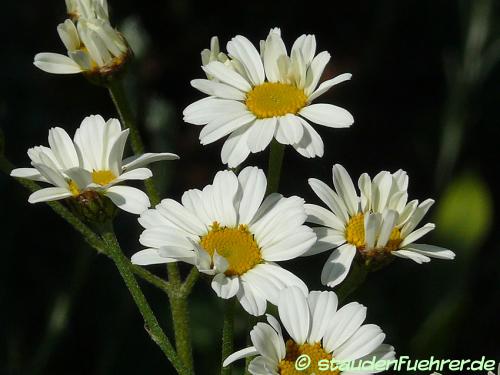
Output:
x=424 y=95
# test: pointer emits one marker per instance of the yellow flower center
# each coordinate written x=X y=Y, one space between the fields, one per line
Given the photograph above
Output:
x=237 y=245
x=315 y=352
x=271 y=99
x=73 y=188
x=355 y=235
x=103 y=177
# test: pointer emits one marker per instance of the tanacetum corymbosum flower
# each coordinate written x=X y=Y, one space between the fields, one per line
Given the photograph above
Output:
x=93 y=46
x=230 y=231
x=317 y=330
x=378 y=223
x=257 y=96
x=92 y=162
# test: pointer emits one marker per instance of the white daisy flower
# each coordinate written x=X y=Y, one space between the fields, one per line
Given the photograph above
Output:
x=230 y=231
x=93 y=162
x=376 y=224
x=93 y=45
x=255 y=96
x=317 y=330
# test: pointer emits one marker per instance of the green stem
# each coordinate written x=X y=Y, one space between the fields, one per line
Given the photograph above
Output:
x=152 y=325
x=227 y=333
x=117 y=92
x=276 y=154
x=180 y=317
x=191 y=279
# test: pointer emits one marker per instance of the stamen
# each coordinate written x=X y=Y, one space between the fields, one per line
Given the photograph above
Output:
x=237 y=245
x=275 y=99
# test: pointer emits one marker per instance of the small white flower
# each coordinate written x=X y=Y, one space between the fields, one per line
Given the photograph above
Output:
x=376 y=224
x=230 y=231
x=93 y=45
x=316 y=329
x=255 y=97
x=92 y=162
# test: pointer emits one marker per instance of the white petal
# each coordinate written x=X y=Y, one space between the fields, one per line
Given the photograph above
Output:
x=337 y=265
x=306 y=45
x=29 y=173
x=253 y=184
x=289 y=245
x=365 y=340
x=56 y=63
x=327 y=115
x=218 y=89
x=345 y=188
x=319 y=215
x=208 y=109
x=381 y=188
x=311 y=144
x=235 y=149
x=225 y=187
x=225 y=287
x=49 y=194
x=327 y=239
x=294 y=313
x=223 y=125
x=80 y=176
x=262 y=366
x=269 y=279
x=243 y=353
x=322 y=306
x=415 y=235
x=227 y=75
x=129 y=199
x=289 y=130
x=134 y=174
x=431 y=251
x=180 y=217
x=266 y=341
x=52 y=175
x=416 y=257
x=149 y=256
x=372 y=228
x=145 y=159
x=417 y=216
x=261 y=134
x=365 y=188
x=116 y=152
x=244 y=51
x=330 y=198
x=166 y=236
x=389 y=219
x=251 y=300
x=344 y=324
x=327 y=85
x=274 y=51
x=315 y=71
x=63 y=148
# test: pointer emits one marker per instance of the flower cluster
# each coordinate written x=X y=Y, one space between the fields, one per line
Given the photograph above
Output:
x=235 y=230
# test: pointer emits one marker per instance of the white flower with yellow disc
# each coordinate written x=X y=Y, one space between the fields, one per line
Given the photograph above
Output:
x=93 y=45
x=257 y=96
x=230 y=231
x=92 y=162
x=378 y=223
x=319 y=334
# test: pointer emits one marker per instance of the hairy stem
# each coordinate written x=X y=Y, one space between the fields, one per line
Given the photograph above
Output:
x=151 y=323
x=227 y=333
x=180 y=317
x=276 y=154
